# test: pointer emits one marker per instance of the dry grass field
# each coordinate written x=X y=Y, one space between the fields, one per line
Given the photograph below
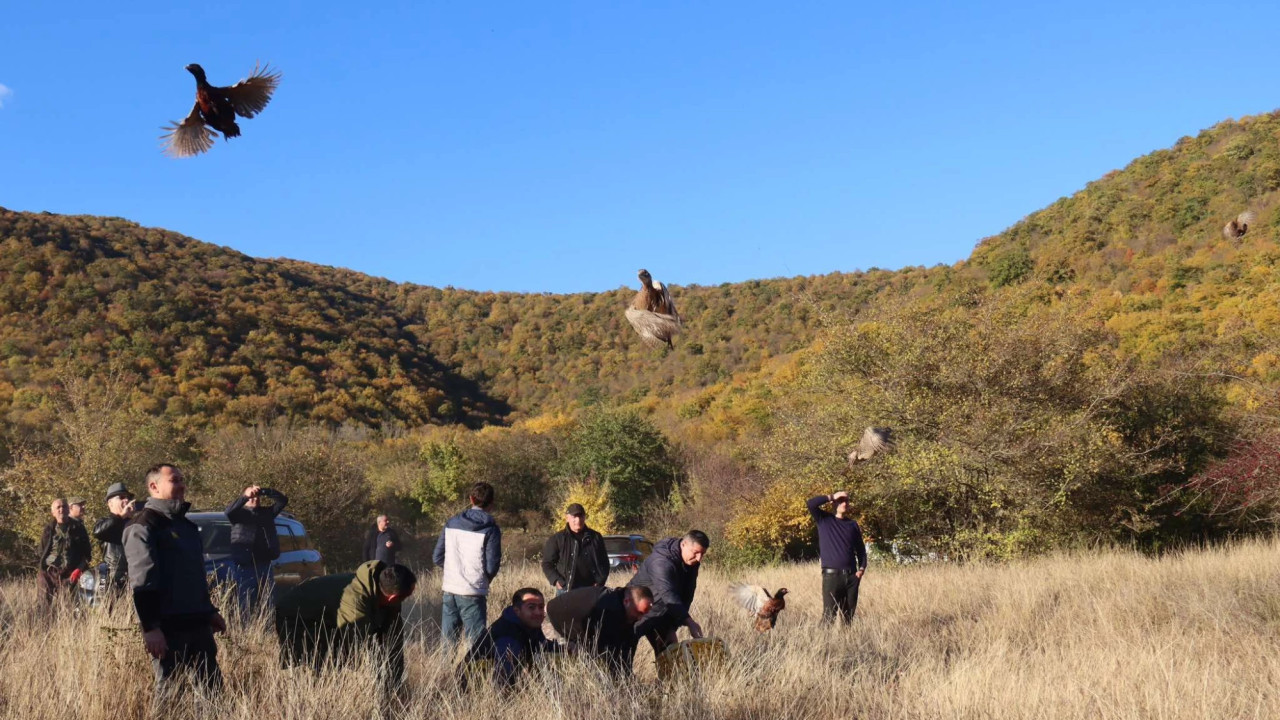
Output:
x=1105 y=635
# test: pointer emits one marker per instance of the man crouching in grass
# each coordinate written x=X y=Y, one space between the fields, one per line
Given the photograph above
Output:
x=336 y=615
x=510 y=645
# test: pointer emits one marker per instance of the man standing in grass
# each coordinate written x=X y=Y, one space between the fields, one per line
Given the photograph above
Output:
x=110 y=534
x=470 y=551
x=843 y=555
x=170 y=592
x=64 y=552
x=254 y=544
x=576 y=556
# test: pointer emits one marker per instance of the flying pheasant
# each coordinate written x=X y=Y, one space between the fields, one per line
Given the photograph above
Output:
x=758 y=600
x=216 y=108
x=653 y=313
x=1236 y=229
x=873 y=440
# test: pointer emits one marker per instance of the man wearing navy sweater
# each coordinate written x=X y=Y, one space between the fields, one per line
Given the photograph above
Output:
x=843 y=555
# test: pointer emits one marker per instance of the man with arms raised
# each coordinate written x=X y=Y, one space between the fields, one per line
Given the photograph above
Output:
x=843 y=556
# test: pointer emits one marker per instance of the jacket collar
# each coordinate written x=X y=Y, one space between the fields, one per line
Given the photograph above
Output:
x=169 y=508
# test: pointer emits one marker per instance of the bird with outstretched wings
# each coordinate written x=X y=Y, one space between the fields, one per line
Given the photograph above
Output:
x=216 y=109
x=758 y=601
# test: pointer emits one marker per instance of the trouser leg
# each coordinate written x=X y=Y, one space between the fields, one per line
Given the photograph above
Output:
x=851 y=594
x=832 y=587
x=193 y=649
x=474 y=610
x=450 y=623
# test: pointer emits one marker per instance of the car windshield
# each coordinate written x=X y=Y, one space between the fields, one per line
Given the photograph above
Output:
x=618 y=545
x=216 y=537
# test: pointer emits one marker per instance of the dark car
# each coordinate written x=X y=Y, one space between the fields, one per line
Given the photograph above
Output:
x=626 y=552
x=298 y=560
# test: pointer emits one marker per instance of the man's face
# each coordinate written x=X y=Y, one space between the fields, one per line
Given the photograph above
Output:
x=575 y=522
x=383 y=523
x=691 y=552
x=59 y=511
x=76 y=511
x=636 y=609
x=120 y=504
x=168 y=485
x=532 y=610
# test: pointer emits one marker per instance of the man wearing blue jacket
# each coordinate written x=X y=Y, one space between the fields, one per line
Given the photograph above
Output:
x=843 y=555
x=671 y=573
x=470 y=551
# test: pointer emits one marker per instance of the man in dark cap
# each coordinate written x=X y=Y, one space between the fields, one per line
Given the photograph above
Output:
x=575 y=557
x=109 y=532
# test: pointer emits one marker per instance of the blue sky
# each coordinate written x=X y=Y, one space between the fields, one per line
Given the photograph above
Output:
x=560 y=146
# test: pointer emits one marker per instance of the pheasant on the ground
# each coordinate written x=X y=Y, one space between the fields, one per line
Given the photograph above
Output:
x=1236 y=229
x=758 y=600
x=653 y=313
x=216 y=108
x=874 y=440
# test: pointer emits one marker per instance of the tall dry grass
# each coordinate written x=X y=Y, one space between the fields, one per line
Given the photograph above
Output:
x=1106 y=635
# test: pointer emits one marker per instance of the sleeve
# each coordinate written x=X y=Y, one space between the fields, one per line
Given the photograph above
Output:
x=144 y=574
x=281 y=500
x=815 y=507
x=665 y=585
x=357 y=608
x=860 y=548
x=107 y=529
x=506 y=661
x=80 y=536
x=234 y=509
x=395 y=540
x=550 y=559
x=437 y=557
x=46 y=544
x=602 y=562
x=492 y=552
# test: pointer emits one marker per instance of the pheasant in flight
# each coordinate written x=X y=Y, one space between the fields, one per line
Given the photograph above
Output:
x=653 y=312
x=874 y=440
x=216 y=108
x=1236 y=229
x=758 y=600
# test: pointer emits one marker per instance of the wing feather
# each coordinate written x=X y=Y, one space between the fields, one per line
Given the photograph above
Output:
x=189 y=137
x=751 y=597
x=251 y=95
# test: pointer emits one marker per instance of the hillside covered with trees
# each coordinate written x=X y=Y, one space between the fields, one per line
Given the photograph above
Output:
x=1104 y=370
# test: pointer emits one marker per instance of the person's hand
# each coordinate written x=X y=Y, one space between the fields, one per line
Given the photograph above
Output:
x=248 y=492
x=859 y=574
x=559 y=585
x=695 y=630
x=841 y=495
x=154 y=642
x=217 y=623
x=388 y=543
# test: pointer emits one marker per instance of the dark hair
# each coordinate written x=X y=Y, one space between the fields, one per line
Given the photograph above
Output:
x=515 y=599
x=482 y=494
x=699 y=537
x=639 y=592
x=397 y=580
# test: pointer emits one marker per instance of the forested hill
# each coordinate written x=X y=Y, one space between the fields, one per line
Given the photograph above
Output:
x=216 y=336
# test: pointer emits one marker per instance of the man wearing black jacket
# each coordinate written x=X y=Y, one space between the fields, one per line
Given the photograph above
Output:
x=602 y=622
x=382 y=543
x=575 y=557
x=64 y=552
x=671 y=573
x=109 y=532
x=843 y=556
x=170 y=592
x=254 y=544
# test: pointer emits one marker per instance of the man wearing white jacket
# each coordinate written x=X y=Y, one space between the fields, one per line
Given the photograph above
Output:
x=470 y=551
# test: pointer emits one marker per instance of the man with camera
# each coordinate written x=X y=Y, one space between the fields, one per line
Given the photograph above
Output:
x=254 y=544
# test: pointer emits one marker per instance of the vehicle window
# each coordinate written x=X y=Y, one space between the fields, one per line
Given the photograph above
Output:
x=645 y=546
x=302 y=541
x=287 y=541
x=617 y=545
x=216 y=537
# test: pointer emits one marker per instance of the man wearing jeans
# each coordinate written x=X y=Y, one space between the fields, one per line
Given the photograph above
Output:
x=469 y=550
x=254 y=544
x=843 y=556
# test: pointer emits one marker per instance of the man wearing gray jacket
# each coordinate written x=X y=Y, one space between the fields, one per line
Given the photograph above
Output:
x=170 y=592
